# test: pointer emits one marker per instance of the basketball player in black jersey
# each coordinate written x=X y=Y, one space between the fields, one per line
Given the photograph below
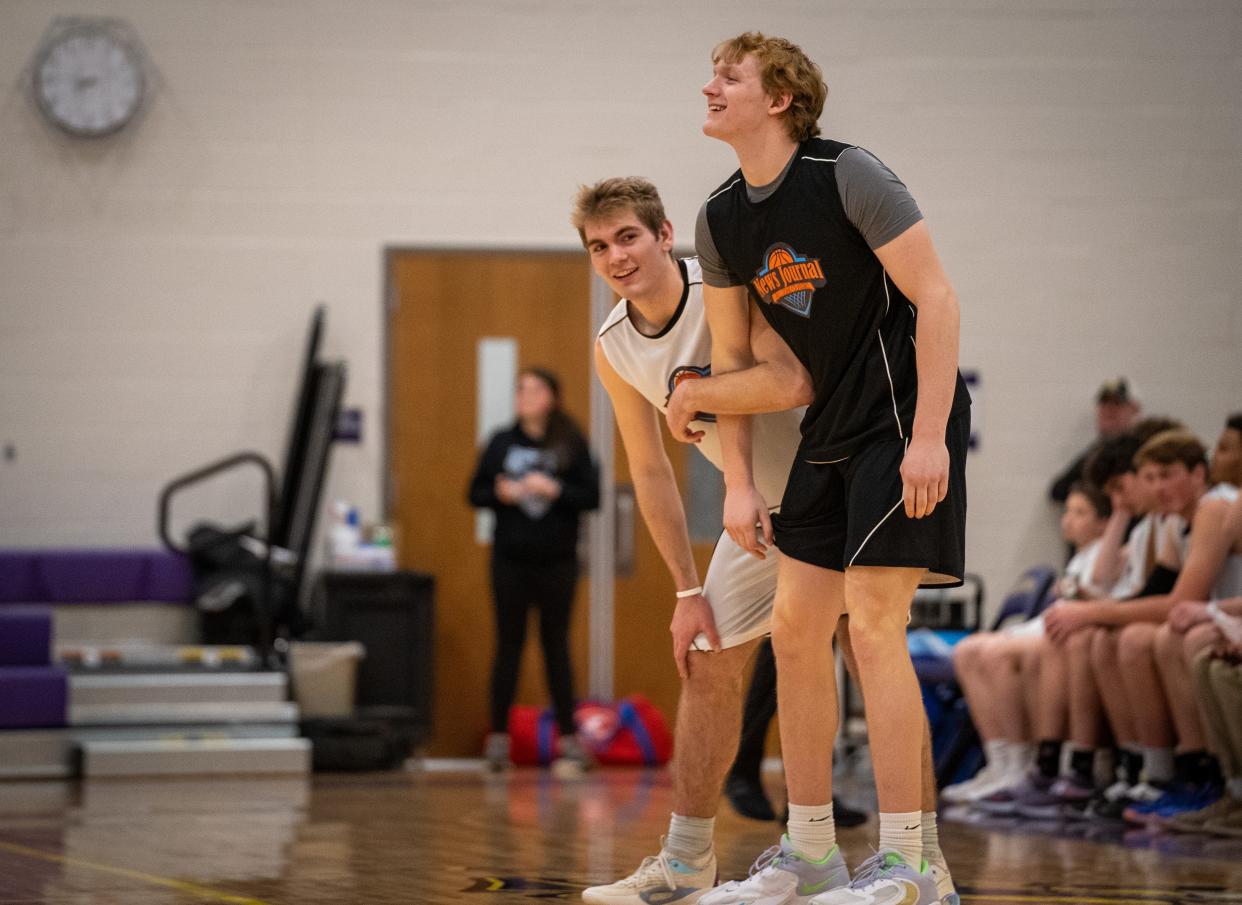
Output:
x=829 y=246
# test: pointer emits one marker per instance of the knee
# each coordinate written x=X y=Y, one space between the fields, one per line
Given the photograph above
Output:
x=1168 y=644
x=1134 y=645
x=968 y=652
x=1079 y=643
x=1104 y=646
x=713 y=674
x=796 y=638
x=875 y=634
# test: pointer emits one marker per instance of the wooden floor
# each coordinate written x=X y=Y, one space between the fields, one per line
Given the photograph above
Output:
x=461 y=836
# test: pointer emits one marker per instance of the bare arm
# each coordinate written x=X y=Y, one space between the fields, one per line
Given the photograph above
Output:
x=659 y=501
x=1111 y=556
x=728 y=317
x=1208 y=549
x=777 y=382
x=911 y=261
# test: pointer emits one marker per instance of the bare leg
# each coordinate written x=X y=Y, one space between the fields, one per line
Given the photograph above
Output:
x=709 y=717
x=1005 y=680
x=1084 y=697
x=809 y=602
x=1111 y=684
x=970 y=657
x=1179 y=689
x=1052 y=714
x=878 y=599
x=1136 y=656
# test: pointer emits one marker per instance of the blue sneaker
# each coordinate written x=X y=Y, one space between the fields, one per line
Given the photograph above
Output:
x=1184 y=800
x=886 y=878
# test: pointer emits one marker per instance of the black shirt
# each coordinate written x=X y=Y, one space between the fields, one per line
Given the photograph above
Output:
x=822 y=288
x=535 y=528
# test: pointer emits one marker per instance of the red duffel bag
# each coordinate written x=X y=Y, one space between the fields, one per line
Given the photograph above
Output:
x=631 y=732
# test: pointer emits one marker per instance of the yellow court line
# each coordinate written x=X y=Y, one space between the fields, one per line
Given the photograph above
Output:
x=193 y=889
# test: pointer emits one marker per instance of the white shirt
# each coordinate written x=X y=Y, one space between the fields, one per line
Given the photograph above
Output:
x=654 y=365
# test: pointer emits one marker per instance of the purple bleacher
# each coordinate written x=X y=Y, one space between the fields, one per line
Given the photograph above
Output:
x=33 y=697
x=93 y=576
x=25 y=636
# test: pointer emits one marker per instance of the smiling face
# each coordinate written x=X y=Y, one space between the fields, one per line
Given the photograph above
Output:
x=737 y=104
x=632 y=259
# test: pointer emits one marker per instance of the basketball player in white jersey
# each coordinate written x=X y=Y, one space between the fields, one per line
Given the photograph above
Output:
x=653 y=339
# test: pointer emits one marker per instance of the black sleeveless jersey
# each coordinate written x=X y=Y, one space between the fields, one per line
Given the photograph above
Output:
x=825 y=292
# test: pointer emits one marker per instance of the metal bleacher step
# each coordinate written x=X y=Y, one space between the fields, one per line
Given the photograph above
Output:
x=50 y=753
x=136 y=757
x=100 y=689
x=194 y=712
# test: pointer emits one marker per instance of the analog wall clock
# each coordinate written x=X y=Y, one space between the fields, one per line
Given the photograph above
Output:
x=88 y=77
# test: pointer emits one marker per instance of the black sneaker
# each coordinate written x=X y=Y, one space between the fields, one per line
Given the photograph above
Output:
x=748 y=799
x=845 y=816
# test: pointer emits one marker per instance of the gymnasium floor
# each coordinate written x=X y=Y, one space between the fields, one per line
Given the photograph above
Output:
x=433 y=836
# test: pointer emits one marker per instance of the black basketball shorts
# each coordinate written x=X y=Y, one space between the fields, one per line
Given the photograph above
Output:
x=851 y=513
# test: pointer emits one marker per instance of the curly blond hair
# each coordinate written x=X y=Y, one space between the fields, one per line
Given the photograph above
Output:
x=783 y=69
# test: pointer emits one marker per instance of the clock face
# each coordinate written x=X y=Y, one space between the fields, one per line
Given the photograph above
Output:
x=88 y=82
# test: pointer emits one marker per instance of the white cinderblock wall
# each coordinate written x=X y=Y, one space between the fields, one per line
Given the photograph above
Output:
x=1080 y=165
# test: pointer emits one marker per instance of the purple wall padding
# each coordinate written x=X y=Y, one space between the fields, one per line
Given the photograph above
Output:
x=25 y=636
x=33 y=697
x=19 y=577
x=93 y=576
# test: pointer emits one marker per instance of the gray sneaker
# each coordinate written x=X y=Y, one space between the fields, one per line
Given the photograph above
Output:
x=573 y=760
x=496 y=751
x=781 y=876
x=886 y=878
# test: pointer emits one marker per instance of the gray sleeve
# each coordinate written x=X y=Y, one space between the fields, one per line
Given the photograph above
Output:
x=715 y=272
x=876 y=201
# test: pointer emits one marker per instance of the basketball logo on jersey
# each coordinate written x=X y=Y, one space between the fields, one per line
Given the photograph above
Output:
x=788 y=279
x=689 y=372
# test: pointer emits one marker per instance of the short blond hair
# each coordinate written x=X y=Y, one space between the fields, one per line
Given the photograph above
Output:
x=783 y=69
x=619 y=193
x=1172 y=446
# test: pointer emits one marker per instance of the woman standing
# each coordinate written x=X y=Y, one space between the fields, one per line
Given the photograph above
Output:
x=538 y=477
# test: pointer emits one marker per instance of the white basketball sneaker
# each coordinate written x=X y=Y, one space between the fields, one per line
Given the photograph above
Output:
x=782 y=876
x=886 y=878
x=660 y=880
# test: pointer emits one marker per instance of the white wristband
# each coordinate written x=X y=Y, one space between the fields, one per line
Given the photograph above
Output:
x=690 y=592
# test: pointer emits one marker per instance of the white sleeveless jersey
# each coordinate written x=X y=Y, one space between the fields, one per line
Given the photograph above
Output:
x=654 y=365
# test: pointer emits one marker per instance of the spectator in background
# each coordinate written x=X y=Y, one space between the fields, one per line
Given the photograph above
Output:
x=1116 y=410
x=538 y=477
x=998 y=671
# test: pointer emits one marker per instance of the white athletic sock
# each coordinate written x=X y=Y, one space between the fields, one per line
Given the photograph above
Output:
x=1157 y=764
x=1234 y=787
x=996 y=750
x=812 y=830
x=1018 y=757
x=689 y=837
x=931 y=841
x=903 y=832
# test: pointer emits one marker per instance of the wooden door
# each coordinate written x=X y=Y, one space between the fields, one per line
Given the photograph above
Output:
x=441 y=304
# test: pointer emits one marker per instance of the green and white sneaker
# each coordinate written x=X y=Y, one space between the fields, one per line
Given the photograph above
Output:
x=886 y=878
x=782 y=876
x=660 y=880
